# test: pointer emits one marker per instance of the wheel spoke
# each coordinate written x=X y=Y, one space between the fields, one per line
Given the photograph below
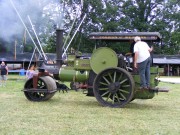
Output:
x=125 y=86
x=106 y=79
x=39 y=82
x=105 y=93
x=123 y=81
x=117 y=97
x=43 y=83
x=114 y=79
x=120 y=77
x=104 y=83
x=108 y=96
x=41 y=86
x=110 y=77
x=124 y=98
x=42 y=94
x=103 y=88
x=113 y=99
x=124 y=91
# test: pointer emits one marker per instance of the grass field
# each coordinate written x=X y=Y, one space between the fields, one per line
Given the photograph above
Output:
x=73 y=113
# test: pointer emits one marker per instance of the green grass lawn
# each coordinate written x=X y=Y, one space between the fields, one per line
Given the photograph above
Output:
x=73 y=113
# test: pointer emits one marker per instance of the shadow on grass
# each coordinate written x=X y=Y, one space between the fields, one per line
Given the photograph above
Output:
x=144 y=106
x=91 y=102
x=141 y=105
x=74 y=102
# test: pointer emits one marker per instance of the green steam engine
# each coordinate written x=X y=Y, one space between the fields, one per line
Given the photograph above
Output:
x=106 y=75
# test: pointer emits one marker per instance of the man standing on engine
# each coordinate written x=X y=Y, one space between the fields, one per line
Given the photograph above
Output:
x=142 y=61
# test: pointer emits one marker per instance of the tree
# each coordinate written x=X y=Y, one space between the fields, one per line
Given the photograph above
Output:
x=135 y=15
x=50 y=47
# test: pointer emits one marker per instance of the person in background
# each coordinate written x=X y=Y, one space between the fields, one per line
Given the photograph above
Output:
x=142 y=61
x=30 y=72
x=170 y=71
x=4 y=73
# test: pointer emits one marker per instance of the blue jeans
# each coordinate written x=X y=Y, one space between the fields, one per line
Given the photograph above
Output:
x=144 y=72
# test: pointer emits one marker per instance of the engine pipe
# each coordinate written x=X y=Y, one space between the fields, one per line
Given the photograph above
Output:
x=59 y=46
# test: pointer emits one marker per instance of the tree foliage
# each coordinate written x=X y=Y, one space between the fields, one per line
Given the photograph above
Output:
x=135 y=15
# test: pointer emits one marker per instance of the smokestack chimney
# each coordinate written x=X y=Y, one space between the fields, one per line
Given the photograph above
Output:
x=59 y=45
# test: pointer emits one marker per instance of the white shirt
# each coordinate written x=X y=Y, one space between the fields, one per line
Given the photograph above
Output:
x=143 y=51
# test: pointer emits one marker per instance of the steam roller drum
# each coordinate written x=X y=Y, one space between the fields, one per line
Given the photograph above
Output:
x=44 y=83
x=103 y=58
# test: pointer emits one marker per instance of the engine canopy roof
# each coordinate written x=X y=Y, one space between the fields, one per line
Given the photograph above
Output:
x=125 y=36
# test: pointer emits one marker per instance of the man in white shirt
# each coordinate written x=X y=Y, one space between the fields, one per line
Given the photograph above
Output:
x=142 y=61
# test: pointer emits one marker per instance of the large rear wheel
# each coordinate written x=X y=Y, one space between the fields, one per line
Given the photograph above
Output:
x=114 y=87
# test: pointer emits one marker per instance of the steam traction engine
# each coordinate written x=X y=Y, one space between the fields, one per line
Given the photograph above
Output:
x=105 y=75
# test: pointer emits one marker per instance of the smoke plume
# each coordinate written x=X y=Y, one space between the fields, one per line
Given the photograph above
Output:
x=10 y=24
